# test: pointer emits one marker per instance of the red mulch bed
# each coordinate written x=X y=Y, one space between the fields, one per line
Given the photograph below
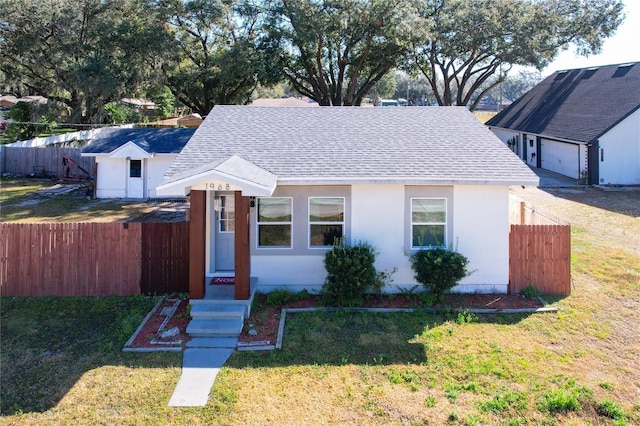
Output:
x=180 y=319
x=266 y=319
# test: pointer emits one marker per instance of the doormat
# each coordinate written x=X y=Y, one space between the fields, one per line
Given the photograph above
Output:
x=223 y=281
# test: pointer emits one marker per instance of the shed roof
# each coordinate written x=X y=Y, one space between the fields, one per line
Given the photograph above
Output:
x=579 y=104
x=343 y=145
x=152 y=140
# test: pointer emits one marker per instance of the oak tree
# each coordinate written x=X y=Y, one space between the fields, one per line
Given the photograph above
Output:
x=472 y=44
x=335 y=51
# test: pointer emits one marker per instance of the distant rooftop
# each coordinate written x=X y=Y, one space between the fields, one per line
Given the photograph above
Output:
x=579 y=104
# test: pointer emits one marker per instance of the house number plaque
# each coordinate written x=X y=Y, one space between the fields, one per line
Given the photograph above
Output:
x=215 y=185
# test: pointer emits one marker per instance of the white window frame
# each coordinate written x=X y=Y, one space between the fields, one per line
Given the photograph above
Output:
x=412 y=224
x=222 y=220
x=310 y=222
x=258 y=223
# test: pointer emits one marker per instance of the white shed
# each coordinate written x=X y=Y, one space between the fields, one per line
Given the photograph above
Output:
x=131 y=162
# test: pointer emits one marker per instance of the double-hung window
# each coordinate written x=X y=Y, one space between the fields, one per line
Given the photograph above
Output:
x=274 y=222
x=326 y=220
x=428 y=222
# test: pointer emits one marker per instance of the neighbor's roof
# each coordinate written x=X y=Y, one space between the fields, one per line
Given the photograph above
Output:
x=153 y=141
x=344 y=145
x=580 y=104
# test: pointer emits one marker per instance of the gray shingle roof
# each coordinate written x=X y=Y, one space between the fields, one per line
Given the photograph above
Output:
x=580 y=104
x=154 y=141
x=348 y=144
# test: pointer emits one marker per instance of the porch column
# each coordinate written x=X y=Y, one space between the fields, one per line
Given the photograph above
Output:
x=242 y=251
x=197 y=244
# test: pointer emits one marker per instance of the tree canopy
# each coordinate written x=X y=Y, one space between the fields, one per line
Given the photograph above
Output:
x=213 y=57
x=83 y=54
x=474 y=42
x=335 y=51
x=86 y=54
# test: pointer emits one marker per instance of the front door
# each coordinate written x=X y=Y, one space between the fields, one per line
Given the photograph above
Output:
x=135 y=181
x=225 y=225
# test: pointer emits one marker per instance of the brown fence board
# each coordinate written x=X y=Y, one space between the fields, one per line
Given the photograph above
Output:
x=69 y=259
x=165 y=258
x=93 y=259
x=21 y=161
x=540 y=255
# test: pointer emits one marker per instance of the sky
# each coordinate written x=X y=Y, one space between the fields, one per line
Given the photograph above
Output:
x=622 y=47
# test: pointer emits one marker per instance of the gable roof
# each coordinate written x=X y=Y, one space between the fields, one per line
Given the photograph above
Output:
x=580 y=104
x=152 y=141
x=345 y=145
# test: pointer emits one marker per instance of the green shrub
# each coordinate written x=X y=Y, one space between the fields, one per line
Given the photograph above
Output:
x=350 y=273
x=439 y=269
x=383 y=279
x=530 y=291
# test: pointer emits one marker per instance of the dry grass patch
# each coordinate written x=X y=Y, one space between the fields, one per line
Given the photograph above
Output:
x=19 y=202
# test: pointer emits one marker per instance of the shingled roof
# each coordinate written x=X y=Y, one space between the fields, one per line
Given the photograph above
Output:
x=580 y=104
x=153 y=141
x=345 y=145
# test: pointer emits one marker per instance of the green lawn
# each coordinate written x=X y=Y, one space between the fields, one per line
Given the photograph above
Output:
x=61 y=361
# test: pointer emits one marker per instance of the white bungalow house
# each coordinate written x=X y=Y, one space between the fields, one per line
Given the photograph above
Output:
x=132 y=162
x=581 y=123
x=271 y=187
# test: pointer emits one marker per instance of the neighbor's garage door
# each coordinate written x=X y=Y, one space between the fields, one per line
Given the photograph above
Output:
x=560 y=157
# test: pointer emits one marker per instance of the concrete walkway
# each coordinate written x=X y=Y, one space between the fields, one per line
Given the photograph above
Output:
x=200 y=367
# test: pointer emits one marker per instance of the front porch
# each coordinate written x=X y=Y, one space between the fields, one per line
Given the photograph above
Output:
x=242 y=285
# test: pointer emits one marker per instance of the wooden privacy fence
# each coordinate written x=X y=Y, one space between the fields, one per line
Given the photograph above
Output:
x=25 y=161
x=540 y=255
x=93 y=259
x=165 y=258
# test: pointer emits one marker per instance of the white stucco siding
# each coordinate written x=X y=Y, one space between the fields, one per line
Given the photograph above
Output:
x=379 y=219
x=477 y=226
x=156 y=167
x=295 y=273
x=111 y=178
x=619 y=162
x=481 y=233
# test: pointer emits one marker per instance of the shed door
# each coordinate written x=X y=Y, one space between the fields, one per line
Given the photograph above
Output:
x=560 y=157
x=135 y=180
x=225 y=225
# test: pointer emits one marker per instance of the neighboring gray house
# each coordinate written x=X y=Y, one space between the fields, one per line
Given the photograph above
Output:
x=271 y=187
x=582 y=123
x=132 y=162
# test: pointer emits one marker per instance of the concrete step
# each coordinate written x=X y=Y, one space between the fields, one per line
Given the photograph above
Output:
x=217 y=310
x=218 y=327
x=213 y=342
